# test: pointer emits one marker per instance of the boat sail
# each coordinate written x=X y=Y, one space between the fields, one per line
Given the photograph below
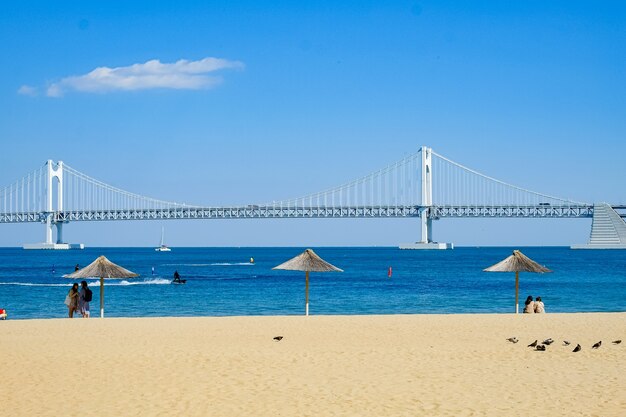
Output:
x=162 y=247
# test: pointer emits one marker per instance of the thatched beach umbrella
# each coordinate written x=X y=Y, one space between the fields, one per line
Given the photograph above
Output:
x=308 y=261
x=518 y=262
x=104 y=269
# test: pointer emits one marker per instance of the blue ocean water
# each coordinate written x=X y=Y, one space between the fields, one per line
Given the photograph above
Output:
x=222 y=282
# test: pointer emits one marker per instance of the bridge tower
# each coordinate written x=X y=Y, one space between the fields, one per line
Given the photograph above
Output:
x=54 y=172
x=427 y=195
x=426 y=220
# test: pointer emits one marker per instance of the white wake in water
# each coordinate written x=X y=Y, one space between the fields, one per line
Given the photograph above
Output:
x=92 y=283
x=30 y=284
x=154 y=281
x=214 y=264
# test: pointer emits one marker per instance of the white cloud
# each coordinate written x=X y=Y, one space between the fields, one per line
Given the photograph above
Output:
x=181 y=75
x=27 y=90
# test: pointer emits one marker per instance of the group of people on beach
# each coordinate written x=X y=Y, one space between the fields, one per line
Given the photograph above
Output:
x=77 y=301
x=534 y=306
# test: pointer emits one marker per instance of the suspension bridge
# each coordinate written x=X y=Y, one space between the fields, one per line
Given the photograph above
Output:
x=424 y=185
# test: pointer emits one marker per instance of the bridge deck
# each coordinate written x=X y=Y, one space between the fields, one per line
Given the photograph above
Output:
x=273 y=212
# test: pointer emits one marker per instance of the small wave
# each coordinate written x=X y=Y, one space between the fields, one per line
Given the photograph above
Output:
x=107 y=282
x=155 y=281
x=31 y=284
x=213 y=264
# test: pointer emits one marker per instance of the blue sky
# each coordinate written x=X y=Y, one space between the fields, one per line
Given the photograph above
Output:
x=301 y=96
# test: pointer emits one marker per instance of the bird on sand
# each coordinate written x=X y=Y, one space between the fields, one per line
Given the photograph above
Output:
x=548 y=341
x=597 y=345
x=533 y=344
x=565 y=343
x=577 y=348
x=278 y=338
x=540 y=348
x=513 y=339
x=617 y=342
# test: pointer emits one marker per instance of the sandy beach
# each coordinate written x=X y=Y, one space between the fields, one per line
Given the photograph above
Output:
x=397 y=365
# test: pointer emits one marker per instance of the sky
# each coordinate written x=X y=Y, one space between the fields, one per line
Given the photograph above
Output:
x=240 y=102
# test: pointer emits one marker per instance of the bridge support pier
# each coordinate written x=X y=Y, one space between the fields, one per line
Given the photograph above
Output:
x=48 y=230
x=427 y=237
x=49 y=244
x=59 y=226
x=427 y=227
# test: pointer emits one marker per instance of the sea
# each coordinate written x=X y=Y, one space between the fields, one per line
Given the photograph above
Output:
x=376 y=280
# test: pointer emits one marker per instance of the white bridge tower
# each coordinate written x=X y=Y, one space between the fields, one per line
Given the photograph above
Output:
x=54 y=172
x=427 y=201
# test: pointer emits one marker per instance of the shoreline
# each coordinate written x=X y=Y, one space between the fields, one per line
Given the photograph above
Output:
x=96 y=317
x=369 y=365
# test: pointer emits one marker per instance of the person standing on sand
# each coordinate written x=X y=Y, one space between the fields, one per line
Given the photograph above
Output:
x=83 y=303
x=539 y=307
x=72 y=300
x=530 y=305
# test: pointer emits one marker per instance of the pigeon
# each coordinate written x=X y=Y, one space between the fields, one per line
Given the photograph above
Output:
x=540 y=347
x=565 y=343
x=617 y=342
x=278 y=338
x=597 y=345
x=533 y=344
x=577 y=348
x=513 y=339
x=548 y=341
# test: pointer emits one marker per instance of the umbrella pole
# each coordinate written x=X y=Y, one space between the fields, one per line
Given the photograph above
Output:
x=516 y=292
x=306 y=294
x=101 y=297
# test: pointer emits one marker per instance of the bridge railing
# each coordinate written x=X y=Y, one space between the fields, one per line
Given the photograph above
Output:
x=539 y=211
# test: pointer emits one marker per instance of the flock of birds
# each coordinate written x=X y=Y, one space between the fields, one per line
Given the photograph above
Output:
x=542 y=346
x=538 y=346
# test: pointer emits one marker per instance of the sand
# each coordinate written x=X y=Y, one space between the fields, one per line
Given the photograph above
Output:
x=396 y=365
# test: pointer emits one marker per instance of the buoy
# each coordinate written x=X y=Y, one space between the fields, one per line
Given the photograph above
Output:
x=389 y=272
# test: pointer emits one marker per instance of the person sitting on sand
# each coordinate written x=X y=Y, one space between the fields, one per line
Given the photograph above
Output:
x=539 y=307
x=530 y=305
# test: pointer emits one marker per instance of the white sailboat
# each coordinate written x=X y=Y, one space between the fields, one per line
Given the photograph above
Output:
x=163 y=247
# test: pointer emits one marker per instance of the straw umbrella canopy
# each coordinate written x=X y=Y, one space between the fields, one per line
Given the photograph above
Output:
x=104 y=269
x=518 y=262
x=308 y=261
